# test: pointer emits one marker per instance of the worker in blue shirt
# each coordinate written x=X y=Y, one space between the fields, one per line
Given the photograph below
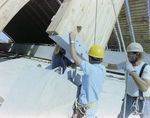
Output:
x=59 y=59
x=92 y=81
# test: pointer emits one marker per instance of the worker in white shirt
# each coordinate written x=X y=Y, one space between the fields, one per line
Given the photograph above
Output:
x=138 y=85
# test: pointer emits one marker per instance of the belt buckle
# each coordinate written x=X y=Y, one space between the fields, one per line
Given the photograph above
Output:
x=87 y=107
x=141 y=98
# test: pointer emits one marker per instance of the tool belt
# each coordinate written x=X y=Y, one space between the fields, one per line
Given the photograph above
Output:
x=80 y=109
x=134 y=98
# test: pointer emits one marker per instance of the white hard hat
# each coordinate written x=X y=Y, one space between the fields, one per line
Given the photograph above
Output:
x=134 y=47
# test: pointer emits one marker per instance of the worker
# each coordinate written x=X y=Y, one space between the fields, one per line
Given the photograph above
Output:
x=92 y=81
x=135 y=82
x=59 y=59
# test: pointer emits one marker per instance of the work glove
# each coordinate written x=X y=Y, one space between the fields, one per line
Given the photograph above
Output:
x=128 y=67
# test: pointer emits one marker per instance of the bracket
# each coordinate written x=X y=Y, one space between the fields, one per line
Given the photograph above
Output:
x=64 y=42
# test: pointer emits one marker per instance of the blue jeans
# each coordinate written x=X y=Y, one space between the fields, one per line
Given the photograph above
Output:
x=90 y=116
x=129 y=102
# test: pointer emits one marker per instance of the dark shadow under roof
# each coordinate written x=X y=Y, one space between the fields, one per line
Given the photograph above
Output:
x=30 y=23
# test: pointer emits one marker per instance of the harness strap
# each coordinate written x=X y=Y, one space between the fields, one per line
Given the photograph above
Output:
x=89 y=106
x=141 y=92
x=63 y=65
x=135 y=107
x=82 y=108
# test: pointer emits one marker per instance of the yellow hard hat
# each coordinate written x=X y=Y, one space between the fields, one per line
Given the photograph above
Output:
x=96 y=51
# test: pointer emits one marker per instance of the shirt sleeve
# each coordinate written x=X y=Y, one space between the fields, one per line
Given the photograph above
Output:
x=121 y=65
x=86 y=67
x=146 y=73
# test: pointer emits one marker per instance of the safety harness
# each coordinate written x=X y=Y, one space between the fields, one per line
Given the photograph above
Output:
x=135 y=107
x=80 y=109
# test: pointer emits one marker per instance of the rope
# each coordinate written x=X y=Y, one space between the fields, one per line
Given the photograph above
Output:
x=126 y=60
x=75 y=73
x=95 y=21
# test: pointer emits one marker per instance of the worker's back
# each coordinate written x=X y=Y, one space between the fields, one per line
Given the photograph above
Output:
x=92 y=82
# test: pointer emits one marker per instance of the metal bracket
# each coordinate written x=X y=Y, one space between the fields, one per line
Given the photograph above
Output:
x=64 y=42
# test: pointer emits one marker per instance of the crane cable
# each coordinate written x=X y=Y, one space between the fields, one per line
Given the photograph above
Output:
x=123 y=48
x=126 y=60
x=95 y=22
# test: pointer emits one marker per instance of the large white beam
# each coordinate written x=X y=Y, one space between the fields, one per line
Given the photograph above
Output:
x=39 y=93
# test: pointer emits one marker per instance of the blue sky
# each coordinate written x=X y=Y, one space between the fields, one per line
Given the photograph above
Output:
x=2 y=35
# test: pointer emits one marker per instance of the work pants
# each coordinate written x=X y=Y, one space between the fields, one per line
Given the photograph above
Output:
x=129 y=102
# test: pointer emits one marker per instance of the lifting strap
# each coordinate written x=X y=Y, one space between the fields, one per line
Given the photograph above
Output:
x=89 y=106
x=95 y=22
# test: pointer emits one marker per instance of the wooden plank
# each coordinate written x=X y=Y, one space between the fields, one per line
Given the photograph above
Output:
x=76 y=13
x=8 y=9
x=57 y=19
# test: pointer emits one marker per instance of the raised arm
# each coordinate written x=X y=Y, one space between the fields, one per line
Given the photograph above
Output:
x=74 y=55
x=57 y=48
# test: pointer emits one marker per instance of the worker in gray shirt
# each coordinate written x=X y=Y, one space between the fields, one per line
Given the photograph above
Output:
x=59 y=59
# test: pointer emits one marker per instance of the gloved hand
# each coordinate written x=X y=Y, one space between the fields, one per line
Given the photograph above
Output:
x=128 y=67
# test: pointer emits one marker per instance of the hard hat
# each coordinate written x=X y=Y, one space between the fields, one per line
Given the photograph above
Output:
x=134 y=47
x=96 y=51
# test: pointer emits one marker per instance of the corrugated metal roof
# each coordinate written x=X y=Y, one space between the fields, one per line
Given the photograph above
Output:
x=140 y=21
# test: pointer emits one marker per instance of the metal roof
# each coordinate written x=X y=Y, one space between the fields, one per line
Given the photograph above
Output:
x=30 y=23
x=134 y=16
